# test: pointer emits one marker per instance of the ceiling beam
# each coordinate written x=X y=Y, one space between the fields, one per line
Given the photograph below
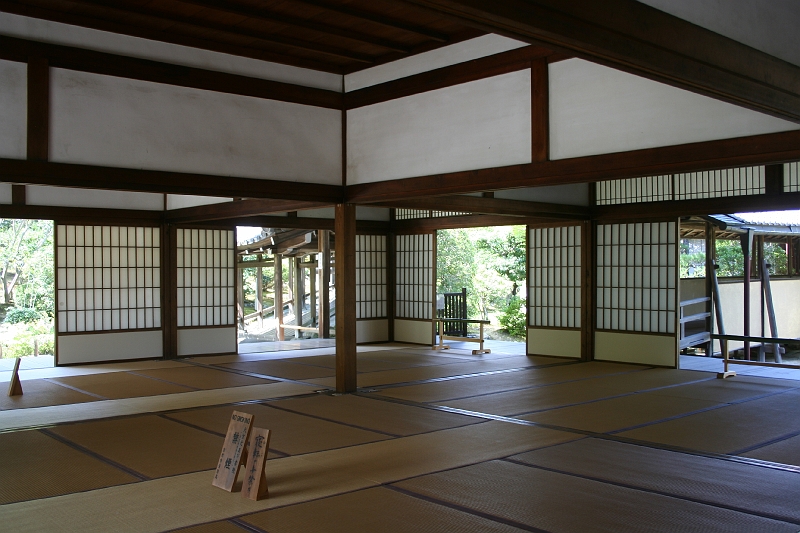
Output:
x=427 y=225
x=711 y=155
x=492 y=206
x=273 y=17
x=125 y=179
x=642 y=40
x=238 y=209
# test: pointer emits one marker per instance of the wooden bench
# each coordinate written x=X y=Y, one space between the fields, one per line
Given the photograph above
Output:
x=465 y=321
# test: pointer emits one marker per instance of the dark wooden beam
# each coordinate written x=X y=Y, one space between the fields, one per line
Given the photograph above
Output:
x=540 y=111
x=124 y=179
x=492 y=206
x=14 y=49
x=703 y=206
x=476 y=69
x=74 y=19
x=637 y=38
x=238 y=209
x=86 y=215
x=742 y=151
x=38 y=108
x=273 y=17
x=345 y=245
x=773 y=179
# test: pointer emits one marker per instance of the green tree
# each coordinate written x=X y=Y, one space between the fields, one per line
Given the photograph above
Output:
x=26 y=263
x=509 y=256
x=455 y=261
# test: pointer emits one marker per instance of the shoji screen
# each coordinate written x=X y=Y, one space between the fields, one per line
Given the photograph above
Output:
x=371 y=302
x=108 y=286
x=637 y=292
x=206 y=283
x=414 y=286
x=554 y=291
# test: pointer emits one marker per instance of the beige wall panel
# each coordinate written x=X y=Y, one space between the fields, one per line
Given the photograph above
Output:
x=54 y=32
x=658 y=350
x=102 y=120
x=556 y=342
x=70 y=197
x=13 y=109
x=5 y=193
x=599 y=110
x=102 y=347
x=572 y=194
x=445 y=56
x=481 y=124
x=415 y=331
x=180 y=201
x=372 y=330
x=199 y=341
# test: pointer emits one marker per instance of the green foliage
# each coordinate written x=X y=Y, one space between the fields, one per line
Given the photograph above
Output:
x=775 y=254
x=18 y=338
x=26 y=315
x=26 y=263
x=509 y=255
x=730 y=259
x=513 y=318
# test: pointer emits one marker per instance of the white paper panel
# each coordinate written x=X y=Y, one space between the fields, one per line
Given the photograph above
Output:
x=658 y=350
x=199 y=341
x=413 y=331
x=555 y=342
x=13 y=109
x=180 y=201
x=372 y=331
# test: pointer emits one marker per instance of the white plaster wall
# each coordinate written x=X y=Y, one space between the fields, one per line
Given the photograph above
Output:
x=325 y=212
x=13 y=109
x=71 y=197
x=658 y=350
x=199 y=341
x=766 y=25
x=572 y=194
x=599 y=110
x=5 y=193
x=413 y=331
x=57 y=33
x=102 y=347
x=103 y=120
x=372 y=213
x=555 y=342
x=485 y=45
x=481 y=124
x=372 y=330
x=180 y=201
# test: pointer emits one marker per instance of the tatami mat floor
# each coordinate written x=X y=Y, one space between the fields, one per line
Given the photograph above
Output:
x=433 y=441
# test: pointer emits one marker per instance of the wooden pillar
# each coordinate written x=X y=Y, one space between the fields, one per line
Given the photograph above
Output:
x=240 y=290
x=710 y=243
x=312 y=295
x=588 y=288
x=279 y=296
x=540 y=106
x=345 y=225
x=299 y=292
x=169 y=284
x=391 y=277
x=260 y=290
x=324 y=269
x=747 y=245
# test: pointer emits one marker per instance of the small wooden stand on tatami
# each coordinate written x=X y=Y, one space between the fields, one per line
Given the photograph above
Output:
x=443 y=337
x=233 y=451
x=255 y=481
x=15 y=387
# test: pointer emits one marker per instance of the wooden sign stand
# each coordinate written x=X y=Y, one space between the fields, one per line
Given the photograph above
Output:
x=233 y=450
x=255 y=480
x=15 y=387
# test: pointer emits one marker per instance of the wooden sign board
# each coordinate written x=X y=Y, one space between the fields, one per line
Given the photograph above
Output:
x=232 y=450
x=15 y=387
x=255 y=481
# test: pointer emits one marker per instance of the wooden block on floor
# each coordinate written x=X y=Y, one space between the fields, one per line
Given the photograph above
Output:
x=14 y=386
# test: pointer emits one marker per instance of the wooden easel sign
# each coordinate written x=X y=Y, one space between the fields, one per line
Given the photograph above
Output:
x=255 y=481
x=232 y=450
x=15 y=387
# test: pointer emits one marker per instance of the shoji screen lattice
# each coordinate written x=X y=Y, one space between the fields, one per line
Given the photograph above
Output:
x=554 y=277
x=636 y=277
x=206 y=278
x=791 y=177
x=414 y=276
x=108 y=278
x=370 y=276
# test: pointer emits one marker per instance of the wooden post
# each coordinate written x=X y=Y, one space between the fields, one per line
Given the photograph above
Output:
x=345 y=298
x=588 y=288
x=324 y=269
x=312 y=296
x=15 y=386
x=260 y=291
x=240 y=292
x=710 y=245
x=278 y=307
x=299 y=296
x=747 y=244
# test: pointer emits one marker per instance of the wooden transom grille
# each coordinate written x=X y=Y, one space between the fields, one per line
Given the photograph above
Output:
x=414 y=276
x=108 y=278
x=370 y=276
x=206 y=277
x=637 y=277
x=554 y=278
x=791 y=177
x=408 y=214
x=742 y=181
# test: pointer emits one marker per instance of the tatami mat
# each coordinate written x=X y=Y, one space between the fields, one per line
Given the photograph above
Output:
x=291 y=433
x=140 y=507
x=41 y=392
x=149 y=445
x=730 y=428
x=618 y=413
x=755 y=489
x=34 y=465
x=374 y=510
x=729 y=390
x=559 y=503
x=375 y=414
x=203 y=378
x=786 y=451
x=117 y=385
x=282 y=369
